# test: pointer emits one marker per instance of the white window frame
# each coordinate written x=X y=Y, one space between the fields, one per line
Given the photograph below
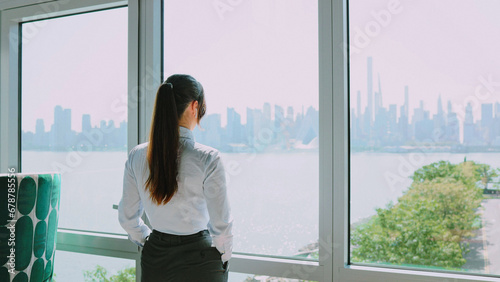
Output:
x=144 y=76
x=343 y=271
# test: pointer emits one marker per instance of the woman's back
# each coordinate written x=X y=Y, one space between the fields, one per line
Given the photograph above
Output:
x=187 y=211
x=181 y=185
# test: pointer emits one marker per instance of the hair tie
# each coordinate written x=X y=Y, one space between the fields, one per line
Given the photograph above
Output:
x=169 y=84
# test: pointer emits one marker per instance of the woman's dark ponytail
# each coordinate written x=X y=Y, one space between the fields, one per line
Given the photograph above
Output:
x=163 y=147
x=172 y=99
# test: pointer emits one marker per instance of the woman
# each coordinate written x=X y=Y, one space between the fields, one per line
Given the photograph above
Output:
x=181 y=185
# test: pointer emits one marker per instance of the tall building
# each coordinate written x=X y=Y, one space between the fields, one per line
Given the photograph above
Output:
x=289 y=113
x=250 y=126
x=266 y=112
x=423 y=125
x=439 y=122
x=358 y=105
x=39 y=138
x=407 y=101
x=393 y=119
x=212 y=136
x=486 y=114
x=279 y=117
x=234 y=130
x=58 y=129
x=487 y=122
x=452 y=126
x=469 y=126
x=378 y=98
x=86 y=125
x=369 y=92
x=403 y=124
x=440 y=106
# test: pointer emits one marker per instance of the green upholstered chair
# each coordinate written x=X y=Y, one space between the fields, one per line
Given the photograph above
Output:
x=35 y=213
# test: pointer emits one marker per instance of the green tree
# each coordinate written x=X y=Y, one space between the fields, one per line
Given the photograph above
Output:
x=430 y=221
x=101 y=274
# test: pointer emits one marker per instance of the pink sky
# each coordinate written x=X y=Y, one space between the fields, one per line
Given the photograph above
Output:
x=78 y=62
x=259 y=51
x=263 y=51
x=434 y=47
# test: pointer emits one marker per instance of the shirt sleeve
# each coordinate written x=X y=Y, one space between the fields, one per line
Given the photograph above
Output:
x=130 y=209
x=221 y=222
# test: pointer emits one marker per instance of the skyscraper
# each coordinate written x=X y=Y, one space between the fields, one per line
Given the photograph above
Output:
x=487 y=122
x=86 y=125
x=486 y=115
x=233 y=126
x=469 y=127
x=39 y=139
x=452 y=126
x=369 y=92
x=57 y=138
x=289 y=113
x=407 y=101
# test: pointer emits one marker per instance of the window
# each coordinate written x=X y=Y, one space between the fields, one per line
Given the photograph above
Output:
x=424 y=135
x=74 y=111
x=438 y=51
x=258 y=64
x=70 y=266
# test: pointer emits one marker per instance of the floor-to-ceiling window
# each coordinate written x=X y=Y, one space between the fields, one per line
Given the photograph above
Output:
x=258 y=64
x=73 y=73
x=393 y=87
x=74 y=111
x=425 y=135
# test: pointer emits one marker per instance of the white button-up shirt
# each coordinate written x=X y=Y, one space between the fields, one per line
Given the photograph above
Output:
x=201 y=201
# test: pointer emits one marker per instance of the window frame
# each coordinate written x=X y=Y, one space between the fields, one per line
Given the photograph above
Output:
x=145 y=74
x=10 y=109
x=341 y=184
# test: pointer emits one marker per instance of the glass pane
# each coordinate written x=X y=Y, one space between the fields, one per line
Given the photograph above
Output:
x=74 y=112
x=425 y=134
x=258 y=64
x=76 y=267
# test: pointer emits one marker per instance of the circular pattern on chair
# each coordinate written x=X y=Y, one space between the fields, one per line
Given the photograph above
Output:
x=4 y=274
x=24 y=242
x=37 y=270
x=4 y=245
x=40 y=240
x=51 y=234
x=43 y=196
x=48 y=270
x=26 y=196
x=56 y=189
x=21 y=277
x=35 y=218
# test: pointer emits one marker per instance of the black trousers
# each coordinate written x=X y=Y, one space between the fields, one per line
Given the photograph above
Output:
x=168 y=257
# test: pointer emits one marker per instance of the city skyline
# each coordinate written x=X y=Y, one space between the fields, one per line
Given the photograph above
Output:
x=399 y=124
x=454 y=60
x=283 y=130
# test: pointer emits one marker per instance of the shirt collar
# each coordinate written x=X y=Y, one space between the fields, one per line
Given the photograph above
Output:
x=185 y=132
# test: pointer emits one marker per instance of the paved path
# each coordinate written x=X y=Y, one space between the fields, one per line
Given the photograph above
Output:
x=491 y=221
